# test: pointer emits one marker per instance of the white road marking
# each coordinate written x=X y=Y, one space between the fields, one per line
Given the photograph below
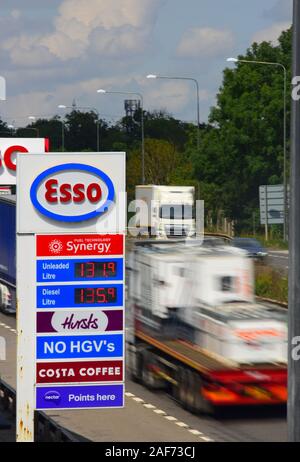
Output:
x=170 y=418
x=181 y=424
x=195 y=432
x=138 y=400
x=149 y=406
x=159 y=411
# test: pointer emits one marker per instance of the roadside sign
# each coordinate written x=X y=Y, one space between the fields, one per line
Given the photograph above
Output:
x=271 y=201
x=70 y=269
x=10 y=147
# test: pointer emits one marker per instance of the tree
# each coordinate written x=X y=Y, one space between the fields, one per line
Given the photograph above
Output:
x=164 y=165
x=81 y=130
x=244 y=146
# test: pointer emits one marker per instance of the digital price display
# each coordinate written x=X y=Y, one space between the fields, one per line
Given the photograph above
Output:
x=96 y=269
x=80 y=269
x=68 y=296
x=95 y=295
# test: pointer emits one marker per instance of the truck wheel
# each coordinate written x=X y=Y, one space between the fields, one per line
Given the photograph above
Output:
x=182 y=387
x=149 y=378
x=199 y=405
x=135 y=374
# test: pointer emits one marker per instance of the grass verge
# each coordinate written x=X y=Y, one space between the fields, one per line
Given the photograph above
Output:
x=270 y=284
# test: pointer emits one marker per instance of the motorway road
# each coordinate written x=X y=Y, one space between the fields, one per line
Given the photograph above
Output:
x=279 y=260
x=153 y=416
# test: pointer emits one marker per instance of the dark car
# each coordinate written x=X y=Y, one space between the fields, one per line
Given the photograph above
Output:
x=252 y=246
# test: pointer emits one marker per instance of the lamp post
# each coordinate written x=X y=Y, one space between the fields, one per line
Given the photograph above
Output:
x=154 y=76
x=62 y=106
x=12 y=127
x=268 y=63
x=101 y=91
x=33 y=119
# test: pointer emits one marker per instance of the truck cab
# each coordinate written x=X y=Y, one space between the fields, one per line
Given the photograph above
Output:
x=167 y=211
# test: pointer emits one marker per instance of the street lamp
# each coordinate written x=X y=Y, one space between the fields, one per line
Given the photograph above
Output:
x=154 y=76
x=236 y=60
x=101 y=91
x=62 y=106
x=33 y=119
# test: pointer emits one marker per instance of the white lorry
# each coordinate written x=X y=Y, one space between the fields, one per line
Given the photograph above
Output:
x=166 y=211
x=197 y=330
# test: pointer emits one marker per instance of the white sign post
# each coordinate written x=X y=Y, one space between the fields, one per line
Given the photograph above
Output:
x=71 y=222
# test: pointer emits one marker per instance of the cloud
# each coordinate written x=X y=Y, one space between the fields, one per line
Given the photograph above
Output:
x=26 y=51
x=114 y=27
x=172 y=95
x=45 y=103
x=205 y=42
x=271 y=34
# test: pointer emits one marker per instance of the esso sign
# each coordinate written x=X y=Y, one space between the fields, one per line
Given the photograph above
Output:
x=10 y=147
x=72 y=192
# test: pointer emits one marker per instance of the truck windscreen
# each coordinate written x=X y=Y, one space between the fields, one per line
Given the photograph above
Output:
x=176 y=212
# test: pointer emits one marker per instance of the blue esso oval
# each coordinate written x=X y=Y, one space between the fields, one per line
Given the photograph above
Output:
x=72 y=192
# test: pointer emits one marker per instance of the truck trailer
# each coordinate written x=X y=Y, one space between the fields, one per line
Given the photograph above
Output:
x=197 y=331
x=8 y=253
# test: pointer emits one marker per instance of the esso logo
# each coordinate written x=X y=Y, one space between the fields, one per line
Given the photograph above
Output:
x=9 y=156
x=72 y=192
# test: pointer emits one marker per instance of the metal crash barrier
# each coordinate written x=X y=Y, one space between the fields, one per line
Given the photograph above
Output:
x=46 y=429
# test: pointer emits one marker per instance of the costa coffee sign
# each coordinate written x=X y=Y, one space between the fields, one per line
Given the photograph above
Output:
x=72 y=192
x=10 y=147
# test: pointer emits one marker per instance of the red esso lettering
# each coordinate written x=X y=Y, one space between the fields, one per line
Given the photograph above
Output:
x=7 y=157
x=76 y=193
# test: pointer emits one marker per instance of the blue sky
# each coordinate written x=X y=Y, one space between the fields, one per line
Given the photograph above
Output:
x=53 y=51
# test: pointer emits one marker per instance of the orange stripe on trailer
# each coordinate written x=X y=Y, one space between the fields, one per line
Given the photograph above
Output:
x=176 y=355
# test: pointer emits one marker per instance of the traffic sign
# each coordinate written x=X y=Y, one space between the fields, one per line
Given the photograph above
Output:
x=271 y=201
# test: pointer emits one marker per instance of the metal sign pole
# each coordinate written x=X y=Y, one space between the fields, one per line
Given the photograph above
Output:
x=294 y=251
x=266 y=208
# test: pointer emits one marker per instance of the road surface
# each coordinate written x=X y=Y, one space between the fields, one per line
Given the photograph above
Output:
x=279 y=260
x=154 y=416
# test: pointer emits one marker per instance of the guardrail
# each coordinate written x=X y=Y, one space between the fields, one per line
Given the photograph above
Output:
x=275 y=302
x=46 y=429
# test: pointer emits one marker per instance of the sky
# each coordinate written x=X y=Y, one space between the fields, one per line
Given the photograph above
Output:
x=55 y=51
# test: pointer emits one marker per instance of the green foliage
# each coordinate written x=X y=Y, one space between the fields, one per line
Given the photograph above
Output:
x=243 y=147
x=270 y=284
x=163 y=165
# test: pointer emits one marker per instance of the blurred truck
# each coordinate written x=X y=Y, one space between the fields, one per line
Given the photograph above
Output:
x=8 y=253
x=166 y=211
x=196 y=330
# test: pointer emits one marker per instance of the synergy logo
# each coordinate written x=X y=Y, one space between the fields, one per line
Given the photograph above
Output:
x=55 y=247
x=72 y=193
x=53 y=397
